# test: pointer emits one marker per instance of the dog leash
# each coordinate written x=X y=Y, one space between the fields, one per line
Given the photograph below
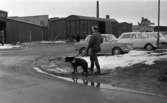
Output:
x=76 y=55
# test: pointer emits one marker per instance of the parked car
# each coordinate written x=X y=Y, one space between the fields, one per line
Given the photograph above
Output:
x=146 y=40
x=109 y=45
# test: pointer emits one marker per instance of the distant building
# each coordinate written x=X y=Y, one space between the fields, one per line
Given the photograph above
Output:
x=124 y=27
x=19 y=31
x=137 y=28
x=37 y=28
x=75 y=26
x=23 y=29
x=41 y=20
x=3 y=15
x=3 y=22
x=161 y=28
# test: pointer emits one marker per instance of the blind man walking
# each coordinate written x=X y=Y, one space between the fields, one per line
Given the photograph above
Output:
x=94 y=47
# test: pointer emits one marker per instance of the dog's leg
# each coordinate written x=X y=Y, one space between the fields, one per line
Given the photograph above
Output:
x=85 y=70
x=75 y=68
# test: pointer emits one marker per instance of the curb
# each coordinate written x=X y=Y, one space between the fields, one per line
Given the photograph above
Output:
x=104 y=86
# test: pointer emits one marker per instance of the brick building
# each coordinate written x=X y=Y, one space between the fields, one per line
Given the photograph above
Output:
x=74 y=26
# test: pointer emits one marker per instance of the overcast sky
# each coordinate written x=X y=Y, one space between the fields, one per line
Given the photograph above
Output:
x=122 y=10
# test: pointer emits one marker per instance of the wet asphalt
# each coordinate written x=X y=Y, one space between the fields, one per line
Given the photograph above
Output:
x=20 y=83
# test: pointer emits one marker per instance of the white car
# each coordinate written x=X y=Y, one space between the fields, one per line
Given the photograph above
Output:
x=109 y=45
x=146 y=40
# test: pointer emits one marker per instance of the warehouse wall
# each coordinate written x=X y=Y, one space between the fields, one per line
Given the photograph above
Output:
x=57 y=29
x=74 y=26
x=79 y=27
x=24 y=32
x=124 y=27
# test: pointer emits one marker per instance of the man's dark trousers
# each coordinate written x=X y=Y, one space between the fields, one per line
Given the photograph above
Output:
x=94 y=60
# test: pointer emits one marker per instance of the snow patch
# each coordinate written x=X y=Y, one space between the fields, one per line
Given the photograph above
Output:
x=56 y=42
x=133 y=57
x=60 y=70
x=9 y=46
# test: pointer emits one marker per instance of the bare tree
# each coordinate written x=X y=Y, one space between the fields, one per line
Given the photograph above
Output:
x=145 y=24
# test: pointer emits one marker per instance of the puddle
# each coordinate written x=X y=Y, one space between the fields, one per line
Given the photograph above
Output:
x=83 y=81
x=94 y=84
x=74 y=79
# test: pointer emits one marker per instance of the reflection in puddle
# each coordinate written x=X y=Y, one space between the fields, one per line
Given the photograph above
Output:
x=74 y=79
x=86 y=82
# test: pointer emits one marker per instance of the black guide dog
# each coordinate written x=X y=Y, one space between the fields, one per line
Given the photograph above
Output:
x=75 y=62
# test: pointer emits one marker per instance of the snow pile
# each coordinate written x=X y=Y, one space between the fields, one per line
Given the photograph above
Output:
x=60 y=70
x=9 y=46
x=110 y=62
x=59 y=67
x=133 y=57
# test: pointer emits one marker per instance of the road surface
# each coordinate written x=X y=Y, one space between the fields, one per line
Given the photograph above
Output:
x=19 y=83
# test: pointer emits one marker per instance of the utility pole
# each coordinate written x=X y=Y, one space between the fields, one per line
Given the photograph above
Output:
x=42 y=35
x=97 y=9
x=30 y=37
x=158 y=23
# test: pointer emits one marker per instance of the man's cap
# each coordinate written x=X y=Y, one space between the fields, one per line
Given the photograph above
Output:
x=95 y=27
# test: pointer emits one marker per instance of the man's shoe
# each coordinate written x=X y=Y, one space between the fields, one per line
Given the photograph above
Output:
x=91 y=70
x=97 y=73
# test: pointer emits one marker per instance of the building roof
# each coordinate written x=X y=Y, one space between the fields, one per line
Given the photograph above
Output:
x=3 y=11
x=74 y=17
x=56 y=18
x=25 y=23
x=41 y=20
x=90 y=18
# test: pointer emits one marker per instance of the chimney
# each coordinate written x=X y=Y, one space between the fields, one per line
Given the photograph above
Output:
x=107 y=16
x=97 y=9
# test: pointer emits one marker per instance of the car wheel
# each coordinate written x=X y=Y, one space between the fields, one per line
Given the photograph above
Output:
x=116 y=51
x=164 y=45
x=82 y=51
x=149 y=47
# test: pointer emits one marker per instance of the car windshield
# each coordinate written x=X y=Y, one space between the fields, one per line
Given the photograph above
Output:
x=125 y=36
x=108 y=37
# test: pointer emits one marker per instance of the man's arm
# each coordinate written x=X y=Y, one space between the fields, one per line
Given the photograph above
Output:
x=90 y=43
